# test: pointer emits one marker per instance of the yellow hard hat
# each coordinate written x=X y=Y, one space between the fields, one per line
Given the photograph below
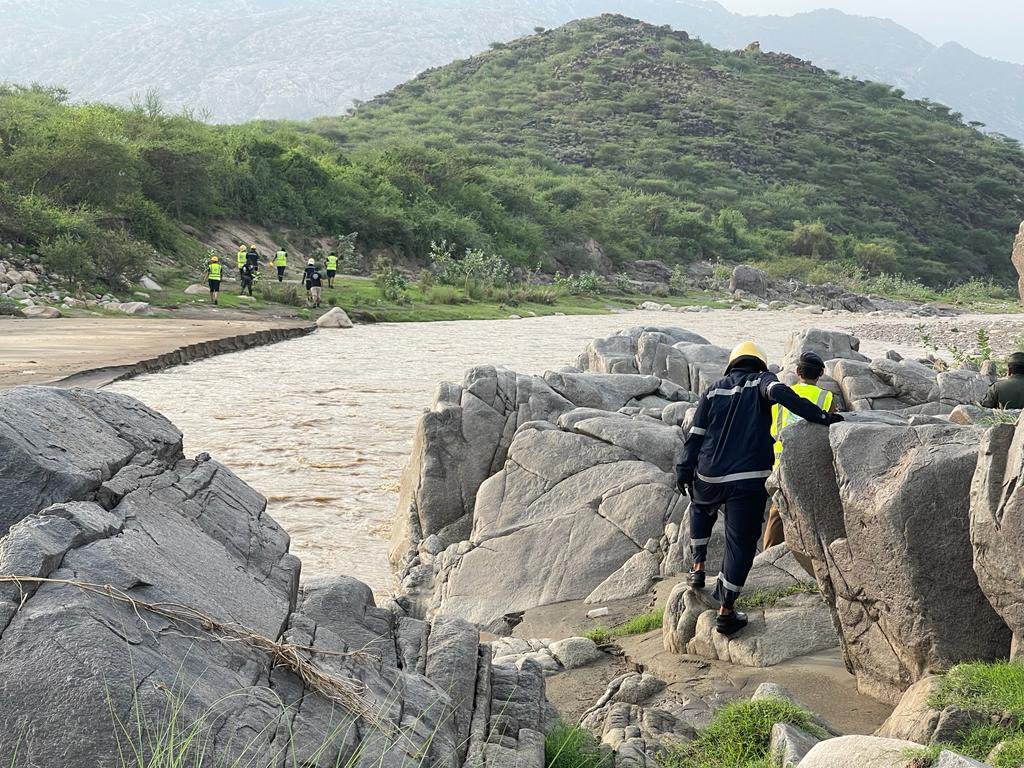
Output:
x=253 y=247
x=747 y=350
x=214 y=259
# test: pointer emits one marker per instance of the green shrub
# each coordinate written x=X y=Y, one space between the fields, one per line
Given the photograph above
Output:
x=391 y=283
x=425 y=281
x=739 y=735
x=9 y=308
x=583 y=284
x=567 y=746
x=678 y=282
x=281 y=293
x=445 y=294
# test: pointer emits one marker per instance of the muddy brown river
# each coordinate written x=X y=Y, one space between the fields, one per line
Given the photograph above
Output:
x=322 y=425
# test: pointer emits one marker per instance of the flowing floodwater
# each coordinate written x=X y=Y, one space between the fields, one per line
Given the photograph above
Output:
x=322 y=425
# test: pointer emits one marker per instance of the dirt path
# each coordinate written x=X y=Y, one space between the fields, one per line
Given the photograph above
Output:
x=48 y=351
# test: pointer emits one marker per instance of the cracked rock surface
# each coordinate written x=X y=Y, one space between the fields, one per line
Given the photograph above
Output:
x=96 y=491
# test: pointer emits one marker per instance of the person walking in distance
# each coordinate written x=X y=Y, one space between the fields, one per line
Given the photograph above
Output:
x=332 y=268
x=213 y=277
x=314 y=283
x=248 y=278
x=281 y=262
x=727 y=457
x=809 y=369
x=241 y=258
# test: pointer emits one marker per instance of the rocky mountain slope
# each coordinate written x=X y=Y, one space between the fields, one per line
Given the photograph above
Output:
x=246 y=59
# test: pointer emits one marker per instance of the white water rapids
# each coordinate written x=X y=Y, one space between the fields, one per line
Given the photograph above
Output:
x=322 y=425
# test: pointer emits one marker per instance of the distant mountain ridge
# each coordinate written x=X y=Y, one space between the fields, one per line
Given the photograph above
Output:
x=237 y=60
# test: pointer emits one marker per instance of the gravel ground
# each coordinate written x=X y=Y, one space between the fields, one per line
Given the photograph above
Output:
x=1006 y=332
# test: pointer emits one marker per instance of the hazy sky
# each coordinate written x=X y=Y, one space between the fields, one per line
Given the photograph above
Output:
x=989 y=27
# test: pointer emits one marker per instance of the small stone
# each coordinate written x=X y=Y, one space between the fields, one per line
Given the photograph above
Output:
x=575 y=652
x=597 y=613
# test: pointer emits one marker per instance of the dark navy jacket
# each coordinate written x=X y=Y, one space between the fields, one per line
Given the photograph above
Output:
x=730 y=440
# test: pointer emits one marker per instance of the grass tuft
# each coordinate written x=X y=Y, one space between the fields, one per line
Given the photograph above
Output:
x=638 y=625
x=997 y=690
x=740 y=736
x=568 y=746
x=768 y=598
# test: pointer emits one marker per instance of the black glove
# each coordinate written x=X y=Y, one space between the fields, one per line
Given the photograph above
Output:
x=684 y=478
x=833 y=418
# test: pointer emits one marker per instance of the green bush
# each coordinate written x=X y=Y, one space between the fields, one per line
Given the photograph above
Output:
x=445 y=294
x=739 y=736
x=9 y=308
x=583 y=284
x=567 y=746
x=281 y=293
x=390 y=281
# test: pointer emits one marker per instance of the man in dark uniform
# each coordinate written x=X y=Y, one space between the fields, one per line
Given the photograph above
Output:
x=727 y=458
x=1008 y=392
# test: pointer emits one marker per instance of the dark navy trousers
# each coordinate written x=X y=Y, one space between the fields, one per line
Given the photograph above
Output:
x=744 y=503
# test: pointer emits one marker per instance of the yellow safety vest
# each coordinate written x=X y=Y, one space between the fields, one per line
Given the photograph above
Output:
x=282 y=259
x=332 y=262
x=782 y=418
x=241 y=258
x=215 y=271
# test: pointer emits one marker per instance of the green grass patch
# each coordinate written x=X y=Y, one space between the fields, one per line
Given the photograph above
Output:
x=740 y=735
x=995 y=689
x=768 y=598
x=922 y=757
x=638 y=625
x=568 y=746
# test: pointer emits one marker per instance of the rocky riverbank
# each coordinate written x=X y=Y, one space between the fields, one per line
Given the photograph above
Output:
x=541 y=543
x=566 y=481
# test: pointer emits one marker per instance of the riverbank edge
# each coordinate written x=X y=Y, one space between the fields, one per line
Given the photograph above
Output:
x=100 y=377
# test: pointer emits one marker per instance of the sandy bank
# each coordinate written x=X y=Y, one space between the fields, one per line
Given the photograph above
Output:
x=95 y=351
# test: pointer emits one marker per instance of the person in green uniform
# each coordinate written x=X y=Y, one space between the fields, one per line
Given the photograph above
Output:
x=332 y=268
x=213 y=276
x=281 y=262
x=1008 y=392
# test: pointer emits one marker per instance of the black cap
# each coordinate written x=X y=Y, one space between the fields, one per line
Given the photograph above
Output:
x=811 y=361
x=1017 y=358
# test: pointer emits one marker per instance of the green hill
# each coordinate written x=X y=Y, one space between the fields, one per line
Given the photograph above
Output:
x=654 y=145
x=662 y=147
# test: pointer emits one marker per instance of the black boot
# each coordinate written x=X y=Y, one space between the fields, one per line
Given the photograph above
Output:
x=695 y=579
x=730 y=623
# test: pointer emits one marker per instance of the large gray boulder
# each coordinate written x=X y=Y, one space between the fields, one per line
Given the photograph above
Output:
x=749 y=280
x=912 y=382
x=460 y=442
x=997 y=525
x=634 y=350
x=830 y=345
x=568 y=511
x=862 y=752
x=136 y=584
x=881 y=516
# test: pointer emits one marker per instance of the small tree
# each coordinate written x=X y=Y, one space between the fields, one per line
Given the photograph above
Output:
x=69 y=257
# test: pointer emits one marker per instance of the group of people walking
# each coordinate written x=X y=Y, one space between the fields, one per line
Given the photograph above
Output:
x=248 y=262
